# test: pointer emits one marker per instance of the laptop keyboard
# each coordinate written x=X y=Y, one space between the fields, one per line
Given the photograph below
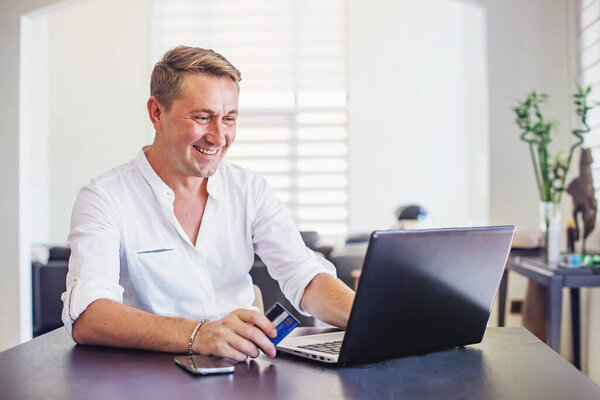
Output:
x=325 y=347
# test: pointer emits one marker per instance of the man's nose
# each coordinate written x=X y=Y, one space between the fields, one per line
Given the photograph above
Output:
x=216 y=134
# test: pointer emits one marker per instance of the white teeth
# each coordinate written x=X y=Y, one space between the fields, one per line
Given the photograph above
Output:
x=205 y=151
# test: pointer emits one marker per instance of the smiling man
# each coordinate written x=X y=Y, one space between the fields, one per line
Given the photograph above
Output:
x=161 y=247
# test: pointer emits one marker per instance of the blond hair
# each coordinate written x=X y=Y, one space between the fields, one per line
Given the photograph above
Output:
x=169 y=72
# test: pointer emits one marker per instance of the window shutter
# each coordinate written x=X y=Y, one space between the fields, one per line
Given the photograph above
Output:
x=588 y=33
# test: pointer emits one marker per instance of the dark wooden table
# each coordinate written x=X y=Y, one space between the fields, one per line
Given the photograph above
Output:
x=555 y=279
x=510 y=363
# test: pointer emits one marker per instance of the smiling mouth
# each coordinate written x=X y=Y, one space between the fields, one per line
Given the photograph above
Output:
x=205 y=151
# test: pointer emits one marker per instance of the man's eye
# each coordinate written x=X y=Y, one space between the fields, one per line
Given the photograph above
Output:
x=202 y=118
x=229 y=119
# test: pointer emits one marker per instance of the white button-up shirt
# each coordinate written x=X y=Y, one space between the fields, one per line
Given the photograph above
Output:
x=128 y=246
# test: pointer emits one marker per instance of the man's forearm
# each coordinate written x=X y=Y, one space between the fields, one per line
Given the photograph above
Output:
x=328 y=299
x=108 y=323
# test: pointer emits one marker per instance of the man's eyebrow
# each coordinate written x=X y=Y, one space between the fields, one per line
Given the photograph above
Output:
x=211 y=112
x=202 y=110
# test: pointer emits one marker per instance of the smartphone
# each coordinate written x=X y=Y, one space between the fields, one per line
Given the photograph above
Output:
x=204 y=365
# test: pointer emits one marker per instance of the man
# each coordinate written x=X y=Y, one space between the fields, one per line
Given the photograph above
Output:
x=161 y=246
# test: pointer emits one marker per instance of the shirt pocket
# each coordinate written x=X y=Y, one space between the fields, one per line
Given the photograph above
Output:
x=153 y=259
x=156 y=271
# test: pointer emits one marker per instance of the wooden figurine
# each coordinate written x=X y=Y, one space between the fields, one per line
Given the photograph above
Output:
x=581 y=190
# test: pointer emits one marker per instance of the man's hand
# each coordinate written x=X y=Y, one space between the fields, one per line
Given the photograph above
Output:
x=237 y=336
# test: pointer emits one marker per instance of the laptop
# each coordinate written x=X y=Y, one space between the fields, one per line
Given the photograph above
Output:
x=419 y=291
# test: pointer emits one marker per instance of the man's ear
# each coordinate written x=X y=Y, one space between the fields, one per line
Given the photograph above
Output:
x=155 y=112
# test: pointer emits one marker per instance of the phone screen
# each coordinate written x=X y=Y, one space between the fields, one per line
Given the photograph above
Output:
x=204 y=365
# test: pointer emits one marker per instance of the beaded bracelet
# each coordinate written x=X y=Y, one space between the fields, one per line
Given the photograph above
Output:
x=190 y=351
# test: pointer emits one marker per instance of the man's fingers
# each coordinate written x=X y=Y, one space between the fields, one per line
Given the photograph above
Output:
x=227 y=351
x=244 y=346
x=258 y=319
x=260 y=339
x=254 y=335
x=238 y=335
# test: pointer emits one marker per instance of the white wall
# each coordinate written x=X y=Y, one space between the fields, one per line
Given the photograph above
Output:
x=99 y=77
x=14 y=328
x=529 y=46
x=418 y=112
x=34 y=121
x=95 y=55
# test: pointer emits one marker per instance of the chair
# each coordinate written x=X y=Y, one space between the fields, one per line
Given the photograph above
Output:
x=48 y=284
x=347 y=259
x=312 y=241
x=271 y=292
x=57 y=253
x=258 y=300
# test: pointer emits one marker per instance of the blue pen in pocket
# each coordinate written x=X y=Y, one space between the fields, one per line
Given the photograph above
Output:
x=284 y=322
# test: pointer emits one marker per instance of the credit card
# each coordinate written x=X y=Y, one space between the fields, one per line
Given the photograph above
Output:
x=284 y=322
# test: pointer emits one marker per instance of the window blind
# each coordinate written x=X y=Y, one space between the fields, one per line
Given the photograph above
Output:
x=292 y=127
x=588 y=34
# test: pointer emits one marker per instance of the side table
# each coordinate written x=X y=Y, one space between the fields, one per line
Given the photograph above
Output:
x=555 y=278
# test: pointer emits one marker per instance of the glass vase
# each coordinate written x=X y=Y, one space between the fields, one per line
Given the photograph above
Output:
x=551 y=230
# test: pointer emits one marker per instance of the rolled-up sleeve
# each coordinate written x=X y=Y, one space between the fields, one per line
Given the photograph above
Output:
x=278 y=243
x=94 y=265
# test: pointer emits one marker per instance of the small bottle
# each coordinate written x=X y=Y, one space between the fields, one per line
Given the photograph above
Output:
x=571 y=236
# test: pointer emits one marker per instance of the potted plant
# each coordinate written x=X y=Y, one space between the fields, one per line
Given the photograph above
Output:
x=550 y=171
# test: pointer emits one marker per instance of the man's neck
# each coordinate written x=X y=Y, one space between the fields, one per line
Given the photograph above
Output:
x=191 y=193
x=180 y=183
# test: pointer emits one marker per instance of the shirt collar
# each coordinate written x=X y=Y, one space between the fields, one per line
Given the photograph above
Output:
x=162 y=190
x=214 y=187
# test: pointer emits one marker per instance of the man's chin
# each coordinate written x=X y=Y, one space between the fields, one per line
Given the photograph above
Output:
x=202 y=169
x=205 y=172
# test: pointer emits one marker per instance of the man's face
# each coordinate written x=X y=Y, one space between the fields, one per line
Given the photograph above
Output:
x=199 y=127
